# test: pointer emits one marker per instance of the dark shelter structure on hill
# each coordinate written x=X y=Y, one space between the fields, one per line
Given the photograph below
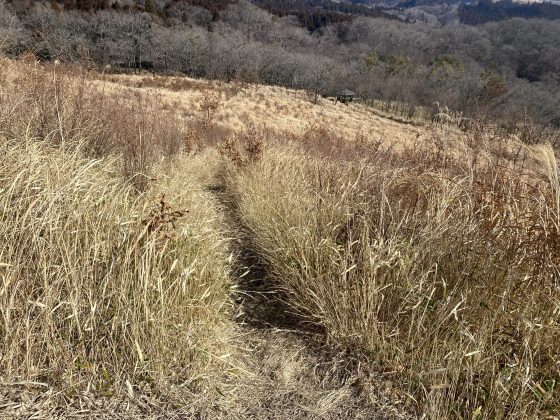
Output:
x=345 y=96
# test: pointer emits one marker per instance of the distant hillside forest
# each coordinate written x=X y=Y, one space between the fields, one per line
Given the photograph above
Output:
x=488 y=11
x=313 y=14
x=507 y=70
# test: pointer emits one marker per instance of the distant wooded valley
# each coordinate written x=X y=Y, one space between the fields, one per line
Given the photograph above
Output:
x=497 y=59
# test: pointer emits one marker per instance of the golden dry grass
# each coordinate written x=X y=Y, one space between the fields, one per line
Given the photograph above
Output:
x=105 y=290
x=178 y=247
x=242 y=106
x=441 y=271
x=116 y=279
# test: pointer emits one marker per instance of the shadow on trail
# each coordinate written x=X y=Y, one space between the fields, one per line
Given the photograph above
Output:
x=298 y=373
x=263 y=303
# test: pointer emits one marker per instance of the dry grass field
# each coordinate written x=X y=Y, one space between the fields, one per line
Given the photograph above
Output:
x=179 y=248
x=238 y=107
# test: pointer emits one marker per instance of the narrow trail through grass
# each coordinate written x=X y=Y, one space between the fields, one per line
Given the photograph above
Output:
x=261 y=304
x=296 y=373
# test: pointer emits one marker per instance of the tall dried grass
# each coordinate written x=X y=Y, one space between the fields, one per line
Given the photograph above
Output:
x=440 y=268
x=65 y=104
x=435 y=264
x=104 y=291
x=100 y=286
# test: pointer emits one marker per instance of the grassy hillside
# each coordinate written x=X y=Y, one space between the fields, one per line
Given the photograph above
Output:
x=438 y=269
x=229 y=107
x=177 y=247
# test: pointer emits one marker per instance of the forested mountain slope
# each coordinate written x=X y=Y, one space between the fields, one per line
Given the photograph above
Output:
x=506 y=70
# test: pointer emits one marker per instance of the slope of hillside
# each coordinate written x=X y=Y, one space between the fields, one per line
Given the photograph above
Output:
x=504 y=70
x=182 y=248
x=125 y=273
x=238 y=107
